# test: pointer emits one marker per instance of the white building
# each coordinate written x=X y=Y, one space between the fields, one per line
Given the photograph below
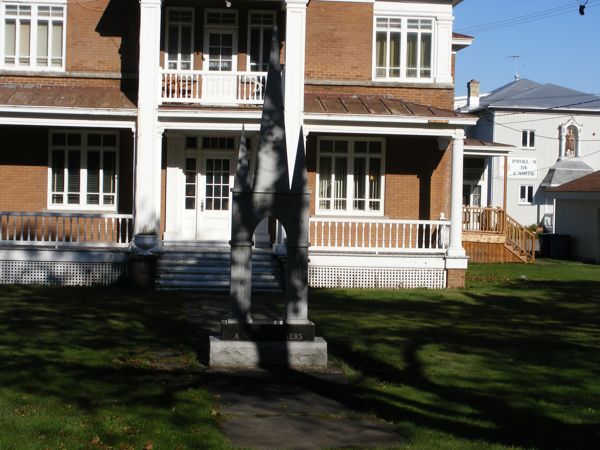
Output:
x=555 y=132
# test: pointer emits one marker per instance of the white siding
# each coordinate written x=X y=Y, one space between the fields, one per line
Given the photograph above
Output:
x=506 y=128
x=581 y=220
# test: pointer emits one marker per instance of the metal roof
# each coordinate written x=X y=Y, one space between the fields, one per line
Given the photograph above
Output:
x=565 y=171
x=528 y=94
x=32 y=95
x=372 y=105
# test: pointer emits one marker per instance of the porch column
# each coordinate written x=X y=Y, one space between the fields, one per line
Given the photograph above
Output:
x=175 y=179
x=295 y=42
x=149 y=137
x=455 y=249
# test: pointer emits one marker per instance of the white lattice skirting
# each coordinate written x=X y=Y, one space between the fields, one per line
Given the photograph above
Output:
x=61 y=273
x=381 y=277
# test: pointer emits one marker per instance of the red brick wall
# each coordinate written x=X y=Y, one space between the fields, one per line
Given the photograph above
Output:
x=417 y=177
x=24 y=169
x=339 y=40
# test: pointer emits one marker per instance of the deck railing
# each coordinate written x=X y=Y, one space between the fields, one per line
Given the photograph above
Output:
x=379 y=235
x=496 y=221
x=56 y=228
x=196 y=86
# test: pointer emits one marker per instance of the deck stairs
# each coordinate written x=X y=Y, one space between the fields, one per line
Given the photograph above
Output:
x=491 y=235
x=205 y=268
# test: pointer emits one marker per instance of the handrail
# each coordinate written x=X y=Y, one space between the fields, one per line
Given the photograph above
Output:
x=520 y=238
x=208 y=87
x=65 y=228
x=378 y=235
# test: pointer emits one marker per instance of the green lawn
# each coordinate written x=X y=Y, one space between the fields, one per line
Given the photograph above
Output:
x=513 y=361
x=99 y=369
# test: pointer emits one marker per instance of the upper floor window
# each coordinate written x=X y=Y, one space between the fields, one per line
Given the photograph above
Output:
x=260 y=29
x=83 y=170
x=525 y=195
x=528 y=139
x=33 y=35
x=403 y=48
x=350 y=176
x=179 y=38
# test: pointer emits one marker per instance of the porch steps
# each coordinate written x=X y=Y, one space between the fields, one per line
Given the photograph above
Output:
x=205 y=268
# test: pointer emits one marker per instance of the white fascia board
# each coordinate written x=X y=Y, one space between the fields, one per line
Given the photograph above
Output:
x=414 y=9
x=209 y=120
x=377 y=130
x=574 y=195
x=399 y=261
x=209 y=115
x=56 y=120
x=350 y=1
x=473 y=150
x=396 y=120
x=209 y=126
x=53 y=110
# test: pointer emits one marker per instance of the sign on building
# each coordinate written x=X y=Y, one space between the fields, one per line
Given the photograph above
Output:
x=519 y=167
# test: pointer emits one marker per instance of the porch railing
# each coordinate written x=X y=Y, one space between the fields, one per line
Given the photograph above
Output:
x=379 y=235
x=65 y=228
x=195 y=86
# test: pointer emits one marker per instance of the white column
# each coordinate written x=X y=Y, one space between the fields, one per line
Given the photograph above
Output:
x=561 y=142
x=175 y=185
x=455 y=249
x=149 y=137
x=295 y=43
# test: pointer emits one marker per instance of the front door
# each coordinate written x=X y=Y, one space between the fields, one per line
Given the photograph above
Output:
x=220 y=83
x=208 y=183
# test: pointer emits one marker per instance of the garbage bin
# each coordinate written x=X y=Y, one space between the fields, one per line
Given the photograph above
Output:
x=559 y=246
x=544 y=245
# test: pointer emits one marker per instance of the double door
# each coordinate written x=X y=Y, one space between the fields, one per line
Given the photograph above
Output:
x=207 y=203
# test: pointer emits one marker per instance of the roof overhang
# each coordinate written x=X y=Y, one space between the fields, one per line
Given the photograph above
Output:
x=52 y=116
x=573 y=195
x=208 y=119
x=476 y=147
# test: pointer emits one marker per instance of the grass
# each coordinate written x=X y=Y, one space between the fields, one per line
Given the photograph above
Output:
x=84 y=368
x=513 y=361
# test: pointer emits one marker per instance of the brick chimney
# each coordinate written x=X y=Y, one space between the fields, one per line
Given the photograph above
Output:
x=473 y=94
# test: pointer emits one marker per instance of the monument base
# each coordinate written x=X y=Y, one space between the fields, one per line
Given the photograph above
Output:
x=300 y=355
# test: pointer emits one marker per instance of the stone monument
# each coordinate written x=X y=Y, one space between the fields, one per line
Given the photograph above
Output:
x=291 y=342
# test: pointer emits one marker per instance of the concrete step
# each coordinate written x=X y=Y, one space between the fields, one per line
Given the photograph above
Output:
x=259 y=277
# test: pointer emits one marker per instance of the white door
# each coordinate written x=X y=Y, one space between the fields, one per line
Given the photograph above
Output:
x=214 y=212
x=220 y=60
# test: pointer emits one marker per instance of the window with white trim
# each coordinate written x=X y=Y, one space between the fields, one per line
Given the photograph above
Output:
x=403 y=48
x=33 y=35
x=350 y=175
x=525 y=195
x=83 y=169
x=260 y=29
x=528 y=139
x=179 y=38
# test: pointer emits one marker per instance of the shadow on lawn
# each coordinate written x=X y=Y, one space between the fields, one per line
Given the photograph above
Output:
x=92 y=356
x=529 y=339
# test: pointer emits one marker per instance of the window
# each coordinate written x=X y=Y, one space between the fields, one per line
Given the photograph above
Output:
x=528 y=139
x=260 y=29
x=179 y=38
x=525 y=194
x=403 y=48
x=350 y=175
x=33 y=36
x=83 y=170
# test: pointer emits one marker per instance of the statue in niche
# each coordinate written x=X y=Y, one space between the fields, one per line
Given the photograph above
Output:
x=570 y=142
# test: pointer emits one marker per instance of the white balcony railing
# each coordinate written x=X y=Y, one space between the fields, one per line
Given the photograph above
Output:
x=76 y=229
x=379 y=235
x=214 y=88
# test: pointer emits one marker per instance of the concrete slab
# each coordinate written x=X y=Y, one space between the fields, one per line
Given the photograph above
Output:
x=300 y=355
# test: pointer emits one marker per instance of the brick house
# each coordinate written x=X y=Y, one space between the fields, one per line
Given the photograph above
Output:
x=121 y=119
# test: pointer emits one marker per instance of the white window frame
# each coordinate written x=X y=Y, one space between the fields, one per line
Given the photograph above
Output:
x=34 y=19
x=350 y=155
x=83 y=149
x=261 y=27
x=524 y=200
x=179 y=24
x=404 y=30
x=528 y=133
x=223 y=28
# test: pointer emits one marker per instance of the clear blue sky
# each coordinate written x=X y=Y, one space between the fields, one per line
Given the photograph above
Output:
x=556 y=44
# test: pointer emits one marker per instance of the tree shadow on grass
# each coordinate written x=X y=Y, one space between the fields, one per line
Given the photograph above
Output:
x=100 y=359
x=530 y=345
